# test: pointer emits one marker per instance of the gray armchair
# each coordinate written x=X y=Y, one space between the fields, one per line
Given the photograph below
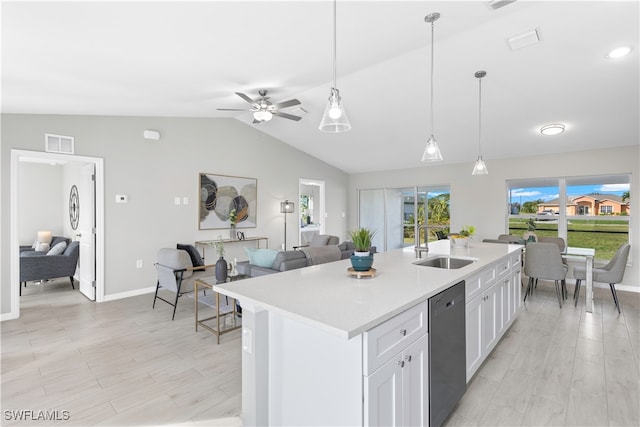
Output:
x=177 y=274
x=37 y=265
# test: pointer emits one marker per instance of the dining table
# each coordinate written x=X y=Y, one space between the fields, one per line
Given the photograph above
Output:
x=585 y=255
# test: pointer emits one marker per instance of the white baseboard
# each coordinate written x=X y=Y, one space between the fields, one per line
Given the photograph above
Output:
x=627 y=288
x=128 y=294
x=8 y=316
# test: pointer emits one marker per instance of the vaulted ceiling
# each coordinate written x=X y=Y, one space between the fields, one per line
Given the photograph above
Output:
x=186 y=59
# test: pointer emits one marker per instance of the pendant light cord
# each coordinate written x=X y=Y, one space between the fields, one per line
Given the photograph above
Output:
x=479 y=114
x=432 y=77
x=335 y=85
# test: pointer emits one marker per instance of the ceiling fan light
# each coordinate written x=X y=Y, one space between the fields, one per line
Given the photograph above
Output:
x=263 y=116
x=552 y=129
x=479 y=168
x=334 y=117
x=431 y=151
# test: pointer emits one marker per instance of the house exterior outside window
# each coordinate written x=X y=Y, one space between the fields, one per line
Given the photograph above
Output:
x=590 y=211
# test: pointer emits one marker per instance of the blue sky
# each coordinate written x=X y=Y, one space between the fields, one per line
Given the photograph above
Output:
x=521 y=195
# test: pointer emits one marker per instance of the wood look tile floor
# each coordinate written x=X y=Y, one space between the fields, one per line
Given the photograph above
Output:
x=120 y=363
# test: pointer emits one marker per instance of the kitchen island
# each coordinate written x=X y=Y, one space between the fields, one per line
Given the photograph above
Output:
x=313 y=339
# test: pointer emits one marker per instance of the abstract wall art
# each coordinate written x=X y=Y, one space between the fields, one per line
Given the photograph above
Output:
x=220 y=195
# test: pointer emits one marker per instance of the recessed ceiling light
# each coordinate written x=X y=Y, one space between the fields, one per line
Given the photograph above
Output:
x=552 y=129
x=619 y=52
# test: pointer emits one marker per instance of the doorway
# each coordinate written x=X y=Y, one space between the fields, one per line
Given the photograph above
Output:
x=312 y=212
x=92 y=268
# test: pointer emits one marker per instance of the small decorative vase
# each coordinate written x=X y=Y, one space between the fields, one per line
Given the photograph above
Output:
x=459 y=242
x=361 y=263
x=530 y=236
x=221 y=270
x=232 y=233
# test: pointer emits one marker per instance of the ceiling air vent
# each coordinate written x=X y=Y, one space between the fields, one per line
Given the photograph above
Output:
x=497 y=4
x=58 y=143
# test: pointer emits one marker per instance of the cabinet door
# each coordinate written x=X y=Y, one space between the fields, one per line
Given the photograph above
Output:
x=516 y=293
x=491 y=316
x=474 y=310
x=505 y=306
x=415 y=383
x=383 y=395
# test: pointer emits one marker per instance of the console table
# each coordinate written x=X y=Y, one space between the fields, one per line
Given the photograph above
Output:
x=204 y=244
x=222 y=326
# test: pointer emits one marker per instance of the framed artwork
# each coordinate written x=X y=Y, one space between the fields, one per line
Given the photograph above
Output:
x=220 y=195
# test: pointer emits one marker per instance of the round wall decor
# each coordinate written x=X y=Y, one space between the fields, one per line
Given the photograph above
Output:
x=74 y=207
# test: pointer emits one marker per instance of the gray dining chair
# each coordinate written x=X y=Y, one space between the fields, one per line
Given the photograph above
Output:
x=611 y=273
x=544 y=261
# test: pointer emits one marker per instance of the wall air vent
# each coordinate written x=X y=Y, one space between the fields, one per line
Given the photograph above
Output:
x=497 y=4
x=58 y=143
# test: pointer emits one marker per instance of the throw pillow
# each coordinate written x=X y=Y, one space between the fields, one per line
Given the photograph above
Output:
x=196 y=259
x=261 y=257
x=35 y=244
x=319 y=240
x=58 y=249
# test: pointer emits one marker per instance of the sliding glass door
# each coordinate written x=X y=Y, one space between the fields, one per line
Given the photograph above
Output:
x=396 y=213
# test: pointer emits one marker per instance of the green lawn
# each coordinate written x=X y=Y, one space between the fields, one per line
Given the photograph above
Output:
x=604 y=237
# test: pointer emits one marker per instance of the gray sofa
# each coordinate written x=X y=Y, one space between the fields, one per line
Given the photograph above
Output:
x=37 y=265
x=289 y=260
x=54 y=241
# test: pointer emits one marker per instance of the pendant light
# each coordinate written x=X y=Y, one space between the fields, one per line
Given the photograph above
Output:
x=480 y=168
x=334 y=118
x=432 y=151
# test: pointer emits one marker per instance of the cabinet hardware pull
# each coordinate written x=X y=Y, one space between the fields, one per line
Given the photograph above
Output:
x=403 y=332
x=408 y=358
x=401 y=363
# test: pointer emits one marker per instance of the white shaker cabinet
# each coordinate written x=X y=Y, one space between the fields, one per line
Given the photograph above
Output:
x=495 y=300
x=397 y=393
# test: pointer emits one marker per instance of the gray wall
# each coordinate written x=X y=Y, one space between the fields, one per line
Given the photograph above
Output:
x=40 y=201
x=481 y=200
x=153 y=173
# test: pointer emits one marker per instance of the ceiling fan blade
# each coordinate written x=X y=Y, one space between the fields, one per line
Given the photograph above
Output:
x=286 y=116
x=245 y=97
x=285 y=104
x=230 y=109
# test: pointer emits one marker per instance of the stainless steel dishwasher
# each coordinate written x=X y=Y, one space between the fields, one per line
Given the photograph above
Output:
x=447 y=352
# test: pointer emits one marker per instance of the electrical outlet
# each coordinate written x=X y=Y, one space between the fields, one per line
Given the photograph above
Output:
x=139 y=263
x=185 y=200
x=176 y=200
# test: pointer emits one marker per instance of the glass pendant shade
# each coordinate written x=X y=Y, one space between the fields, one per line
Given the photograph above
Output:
x=432 y=151
x=334 y=118
x=479 y=168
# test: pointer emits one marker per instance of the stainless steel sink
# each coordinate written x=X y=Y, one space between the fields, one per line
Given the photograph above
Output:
x=444 y=262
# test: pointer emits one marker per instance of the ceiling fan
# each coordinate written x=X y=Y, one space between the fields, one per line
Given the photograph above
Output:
x=263 y=110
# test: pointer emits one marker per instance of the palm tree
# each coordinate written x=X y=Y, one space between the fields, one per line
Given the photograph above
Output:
x=626 y=196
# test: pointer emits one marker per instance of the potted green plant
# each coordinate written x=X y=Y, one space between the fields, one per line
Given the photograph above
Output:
x=233 y=217
x=361 y=260
x=461 y=238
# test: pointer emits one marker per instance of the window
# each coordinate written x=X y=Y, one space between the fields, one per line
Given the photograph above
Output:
x=590 y=211
x=606 y=210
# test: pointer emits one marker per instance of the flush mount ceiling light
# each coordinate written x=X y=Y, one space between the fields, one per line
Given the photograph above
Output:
x=552 y=129
x=334 y=118
x=432 y=151
x=619 y=52
x=480 y=168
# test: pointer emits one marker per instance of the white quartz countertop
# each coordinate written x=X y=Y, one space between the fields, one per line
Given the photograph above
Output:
x=326 y=297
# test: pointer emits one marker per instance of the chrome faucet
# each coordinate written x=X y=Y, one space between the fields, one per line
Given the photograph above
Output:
x=419 y=248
